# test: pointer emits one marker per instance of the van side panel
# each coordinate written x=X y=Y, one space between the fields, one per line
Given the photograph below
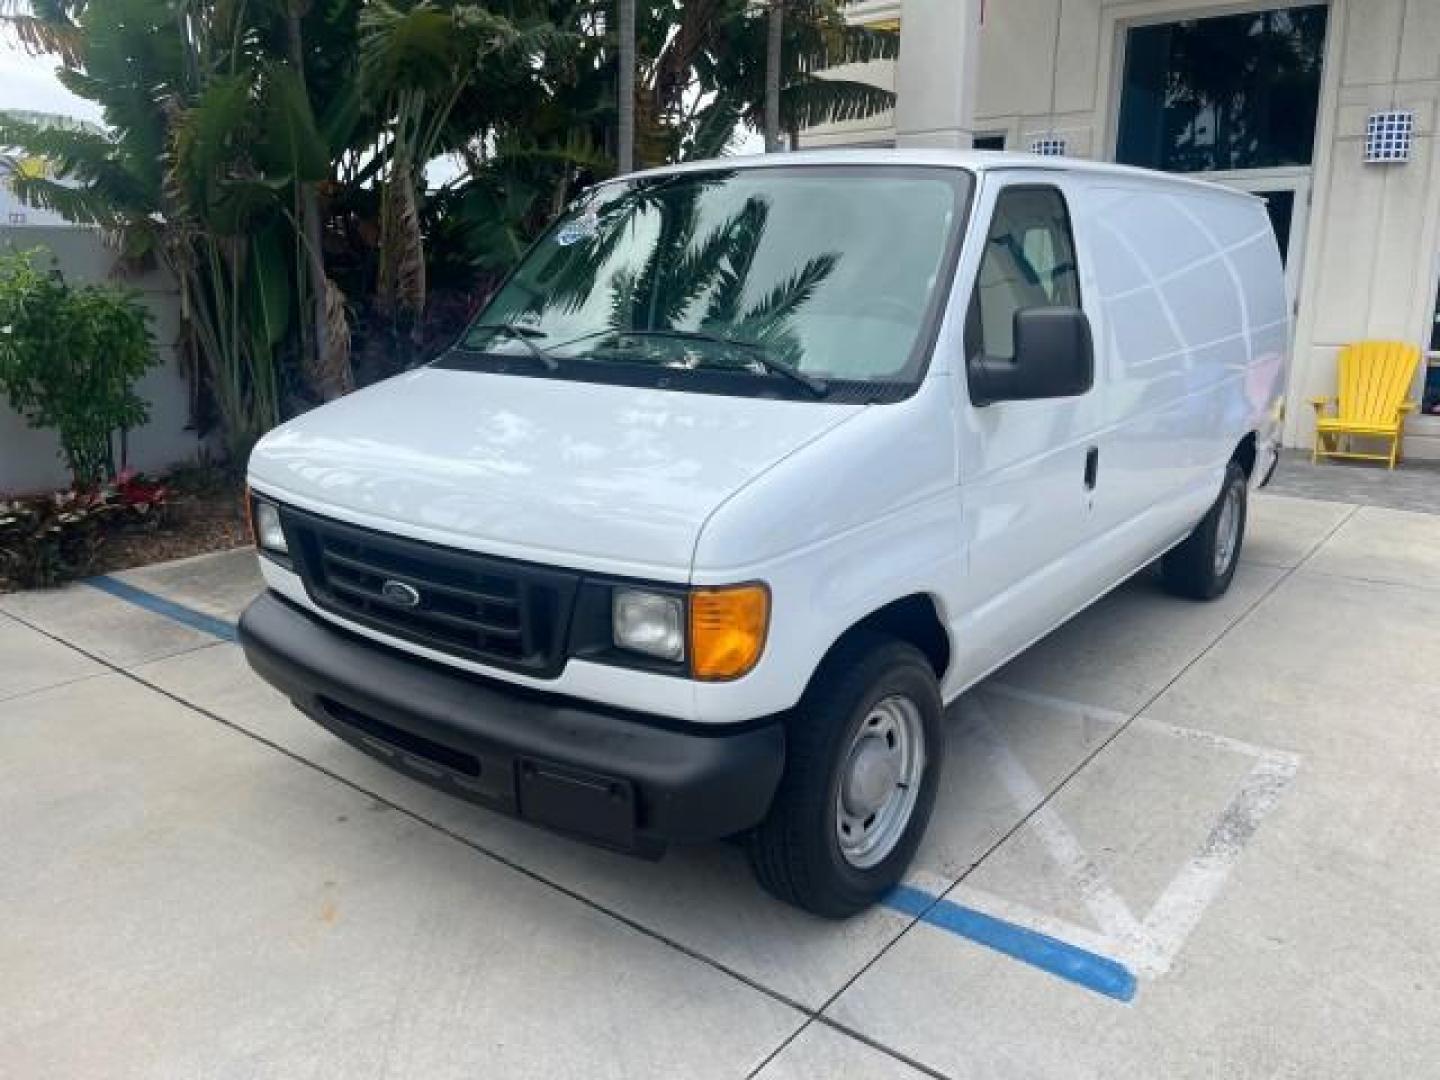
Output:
x=1192 y=334
x=1186 y=296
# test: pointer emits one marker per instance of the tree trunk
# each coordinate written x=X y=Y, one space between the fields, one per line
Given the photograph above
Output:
x=320 y=361
x=774 y=45
x=625 y=156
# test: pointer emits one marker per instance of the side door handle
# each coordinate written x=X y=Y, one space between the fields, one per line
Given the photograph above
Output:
x=1092 y=467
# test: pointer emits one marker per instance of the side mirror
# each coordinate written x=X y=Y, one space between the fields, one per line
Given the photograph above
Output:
x=1054 y=358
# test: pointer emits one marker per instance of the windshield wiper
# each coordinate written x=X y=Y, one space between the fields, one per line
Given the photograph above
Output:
x=522 y=334
x=815 y=387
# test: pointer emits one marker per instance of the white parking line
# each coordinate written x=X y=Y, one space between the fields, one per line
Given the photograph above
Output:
x=1110 y=912
x=1150 y=945
x=1180 y=907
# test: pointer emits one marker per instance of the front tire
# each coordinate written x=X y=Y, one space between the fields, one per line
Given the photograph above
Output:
x=863 y=759
x=1203 y=566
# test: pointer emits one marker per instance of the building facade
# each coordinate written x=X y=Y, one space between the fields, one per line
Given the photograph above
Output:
x=1326 y=109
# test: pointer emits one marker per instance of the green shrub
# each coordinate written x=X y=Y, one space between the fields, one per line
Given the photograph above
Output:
x=69 y=359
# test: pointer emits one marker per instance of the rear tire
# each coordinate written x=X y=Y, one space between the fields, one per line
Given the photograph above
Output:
x=1203 y=566
x=863 y=755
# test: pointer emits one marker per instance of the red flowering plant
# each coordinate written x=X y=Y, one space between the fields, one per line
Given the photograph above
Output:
x=142 y=496
x=49 y=539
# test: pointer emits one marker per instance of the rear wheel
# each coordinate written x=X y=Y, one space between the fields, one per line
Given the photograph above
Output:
x=862 y=762
x=1203 y=566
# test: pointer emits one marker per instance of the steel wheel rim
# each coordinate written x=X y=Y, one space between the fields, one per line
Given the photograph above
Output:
x=879 y=781
x=1227 y=530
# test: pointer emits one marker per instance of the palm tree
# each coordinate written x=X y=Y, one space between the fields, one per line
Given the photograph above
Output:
x=332 y=376
x=416 y=65
x=739 y=74
x=209 y=137
x=774 y=54
x=271 y=150
x=625 y=57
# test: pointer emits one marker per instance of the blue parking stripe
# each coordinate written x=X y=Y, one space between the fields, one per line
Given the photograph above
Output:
x=1080 y=966
x=196 y=620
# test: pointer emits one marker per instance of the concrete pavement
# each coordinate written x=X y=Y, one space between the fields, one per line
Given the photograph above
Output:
x=1234 y=804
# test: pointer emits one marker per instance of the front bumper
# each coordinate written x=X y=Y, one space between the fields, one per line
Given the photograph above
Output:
x=614 y=778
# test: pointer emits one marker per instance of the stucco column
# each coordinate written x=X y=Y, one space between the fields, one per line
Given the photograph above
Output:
x=935 y=79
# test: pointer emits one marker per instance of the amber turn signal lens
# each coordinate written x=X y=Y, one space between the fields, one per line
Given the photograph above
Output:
x=727 y=630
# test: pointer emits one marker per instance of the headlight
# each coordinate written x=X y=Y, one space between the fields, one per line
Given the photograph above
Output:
x=269 y=536
x=650 y=623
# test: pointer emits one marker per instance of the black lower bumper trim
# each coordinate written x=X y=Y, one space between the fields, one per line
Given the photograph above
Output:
x=610 y=777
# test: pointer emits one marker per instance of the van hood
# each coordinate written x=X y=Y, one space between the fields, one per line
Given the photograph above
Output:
x=599 y=477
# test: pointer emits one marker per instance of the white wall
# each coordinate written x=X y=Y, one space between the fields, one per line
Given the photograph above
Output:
x=30 y=460
x=1372 y=252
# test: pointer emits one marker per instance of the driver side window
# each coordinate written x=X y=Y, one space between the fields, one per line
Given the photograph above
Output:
x=1029 y=261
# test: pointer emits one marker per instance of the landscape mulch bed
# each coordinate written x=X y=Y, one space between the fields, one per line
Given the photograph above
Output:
x=193 y=523
x=205 y=512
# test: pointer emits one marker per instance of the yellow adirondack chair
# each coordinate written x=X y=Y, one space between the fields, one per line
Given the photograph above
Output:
x=1375 y=376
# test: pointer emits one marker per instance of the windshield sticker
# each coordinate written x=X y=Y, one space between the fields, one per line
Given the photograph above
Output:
x=583 y=227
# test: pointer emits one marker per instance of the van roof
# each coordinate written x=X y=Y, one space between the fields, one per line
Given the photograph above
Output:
x=978 y=161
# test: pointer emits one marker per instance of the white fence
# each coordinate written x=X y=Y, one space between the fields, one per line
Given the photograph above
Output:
x=29 y=459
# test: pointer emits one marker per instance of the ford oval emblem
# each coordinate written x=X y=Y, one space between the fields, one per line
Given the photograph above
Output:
x=400 y=594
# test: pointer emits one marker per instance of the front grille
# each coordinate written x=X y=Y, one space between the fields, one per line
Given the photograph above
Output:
x=495 y=611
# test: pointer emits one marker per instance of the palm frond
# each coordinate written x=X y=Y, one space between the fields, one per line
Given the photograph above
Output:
x=625 y=296
x=770 y=316
x=848 y=45
x=77 y=157
x=77 y=204
x=747 y=228
x=714 y=130
x=55 y=138
x=45 y=28
x=577 y=150
x=677 y=233
x=38 y=38
x=811 y=100
x=207 y=132
x=416 y=48
x=82 y=84
x=290 y=141
x=692 y=275
x=489 y=34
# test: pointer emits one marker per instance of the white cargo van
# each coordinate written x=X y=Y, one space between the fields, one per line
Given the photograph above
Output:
x=752 y=466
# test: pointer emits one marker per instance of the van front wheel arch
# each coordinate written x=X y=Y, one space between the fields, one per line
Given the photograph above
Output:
x=863 y=755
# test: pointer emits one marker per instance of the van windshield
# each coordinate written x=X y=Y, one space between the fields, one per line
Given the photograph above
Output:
x=809 y=281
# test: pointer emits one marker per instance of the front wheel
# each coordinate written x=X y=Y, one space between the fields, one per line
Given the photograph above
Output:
x=862 y=762
x=1203 y=566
